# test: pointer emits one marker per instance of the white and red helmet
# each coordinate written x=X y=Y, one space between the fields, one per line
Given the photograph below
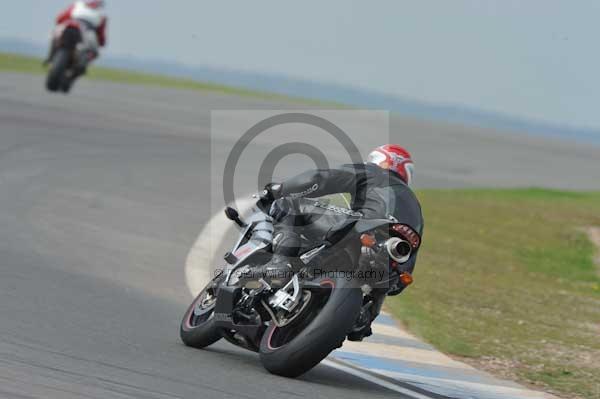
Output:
x=91 y=11
x=95 y=4
x=395 y=158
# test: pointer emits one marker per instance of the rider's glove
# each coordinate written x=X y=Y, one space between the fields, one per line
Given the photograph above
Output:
x=272 y=192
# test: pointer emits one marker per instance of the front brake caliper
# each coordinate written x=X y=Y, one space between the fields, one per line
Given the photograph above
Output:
x=288 y=297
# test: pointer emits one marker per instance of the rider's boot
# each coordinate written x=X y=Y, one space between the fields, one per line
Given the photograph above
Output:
x=278 y=271
x=362 y=326
x=284 y=263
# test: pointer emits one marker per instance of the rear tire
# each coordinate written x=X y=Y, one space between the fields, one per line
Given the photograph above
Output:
x=60 y=63
x=66 y=85
x=199 y=330
x=313 y=343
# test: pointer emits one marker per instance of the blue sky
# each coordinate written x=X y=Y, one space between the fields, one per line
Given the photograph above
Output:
x=537 y=58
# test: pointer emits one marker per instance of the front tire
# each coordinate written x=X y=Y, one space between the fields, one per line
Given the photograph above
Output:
x=197 y=327
x=60 y=62
x=291 y=355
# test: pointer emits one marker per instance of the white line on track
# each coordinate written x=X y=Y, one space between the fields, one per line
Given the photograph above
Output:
x=371 y=378
x=198 y=272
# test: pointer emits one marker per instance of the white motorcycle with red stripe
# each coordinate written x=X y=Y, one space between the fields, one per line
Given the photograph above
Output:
x=74 y=44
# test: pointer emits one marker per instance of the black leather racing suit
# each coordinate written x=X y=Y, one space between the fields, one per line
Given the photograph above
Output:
x=376 y=193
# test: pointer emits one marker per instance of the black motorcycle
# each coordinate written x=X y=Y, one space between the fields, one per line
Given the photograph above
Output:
x=73 y=48
x=334 y=294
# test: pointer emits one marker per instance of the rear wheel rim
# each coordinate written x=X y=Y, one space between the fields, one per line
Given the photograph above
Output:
x=281 y=336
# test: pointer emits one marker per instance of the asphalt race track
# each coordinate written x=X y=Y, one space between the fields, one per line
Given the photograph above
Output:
x=103 y=193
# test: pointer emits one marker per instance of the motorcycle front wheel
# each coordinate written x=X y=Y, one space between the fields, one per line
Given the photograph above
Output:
x=292 y=349
x=60 y=63
x=197 y=327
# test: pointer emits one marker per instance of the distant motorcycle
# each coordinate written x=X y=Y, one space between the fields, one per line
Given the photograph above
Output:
x=296 y=326
x=74 y=46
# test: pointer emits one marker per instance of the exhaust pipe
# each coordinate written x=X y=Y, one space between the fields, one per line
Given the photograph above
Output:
x=398 y=249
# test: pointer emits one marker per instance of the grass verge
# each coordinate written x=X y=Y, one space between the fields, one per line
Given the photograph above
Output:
x=18 y=63
x=506 y=280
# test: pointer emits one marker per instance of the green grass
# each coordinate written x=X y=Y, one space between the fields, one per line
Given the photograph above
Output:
x=506 y=280
x=23 y=64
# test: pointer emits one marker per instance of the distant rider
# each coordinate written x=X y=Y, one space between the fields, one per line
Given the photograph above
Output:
x=379 y=189
x=90 y=16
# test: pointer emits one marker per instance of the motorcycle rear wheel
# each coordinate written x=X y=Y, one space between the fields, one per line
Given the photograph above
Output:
x=60 y=62
x=291 y=353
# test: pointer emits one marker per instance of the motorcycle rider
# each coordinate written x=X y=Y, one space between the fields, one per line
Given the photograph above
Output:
x=92 y=21
x=379 y=189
